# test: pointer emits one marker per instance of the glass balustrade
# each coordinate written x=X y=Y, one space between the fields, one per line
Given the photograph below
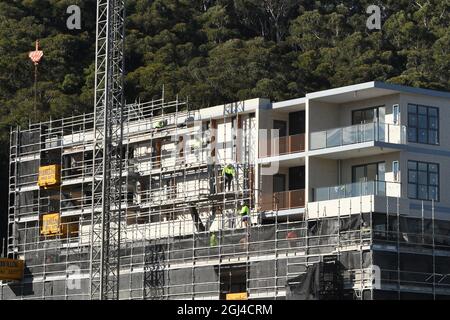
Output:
x=357 y=189
x=360 y=133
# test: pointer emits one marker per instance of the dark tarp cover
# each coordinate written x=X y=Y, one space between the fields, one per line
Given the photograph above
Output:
x=305 y=286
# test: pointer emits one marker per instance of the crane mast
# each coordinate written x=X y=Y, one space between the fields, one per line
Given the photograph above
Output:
x=107 y=179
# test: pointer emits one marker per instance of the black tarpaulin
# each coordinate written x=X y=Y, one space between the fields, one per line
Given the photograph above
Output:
x=196 y=218
x=305 y=286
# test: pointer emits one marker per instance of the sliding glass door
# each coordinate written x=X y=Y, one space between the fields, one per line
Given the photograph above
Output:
x=372 y=123
x=369 y=179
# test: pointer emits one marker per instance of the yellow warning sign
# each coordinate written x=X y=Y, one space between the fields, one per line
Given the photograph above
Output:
x=51 y=224
x=11 y=269
x=49 y=176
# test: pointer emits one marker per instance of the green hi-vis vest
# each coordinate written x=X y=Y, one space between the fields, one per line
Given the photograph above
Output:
x=159 y=124
x=245 y=211
x=228 y=170
x=213 y=241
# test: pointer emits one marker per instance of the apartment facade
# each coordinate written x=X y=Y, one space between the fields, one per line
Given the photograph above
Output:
x=345 y=186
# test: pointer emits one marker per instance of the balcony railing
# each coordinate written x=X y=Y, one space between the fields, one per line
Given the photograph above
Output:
x=283 y=200
x=359 y=133
x=283 y=145
x=357 y=189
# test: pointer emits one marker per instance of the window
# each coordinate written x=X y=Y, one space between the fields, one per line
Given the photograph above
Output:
x=369 y=172
x=281 y=126
x=423 y=180
x=423 y=124
x=279 y=183
x=365 y=116
x=396 y=170
x=396 y=114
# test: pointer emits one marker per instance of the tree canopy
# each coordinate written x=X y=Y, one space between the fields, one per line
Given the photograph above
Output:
x=216 y=51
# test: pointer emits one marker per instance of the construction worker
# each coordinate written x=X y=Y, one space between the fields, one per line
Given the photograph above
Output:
x=245 y=214
x=160 y=124
x=213 y=240
x=228 y=173
x=292 y=239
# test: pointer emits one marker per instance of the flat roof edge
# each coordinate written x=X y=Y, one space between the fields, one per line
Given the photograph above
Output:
x=412 y=90
x=341 y=90
x=378 y=85
x=289 y=103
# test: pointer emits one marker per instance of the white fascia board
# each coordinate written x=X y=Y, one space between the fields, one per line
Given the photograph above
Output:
x=285 y=157
x=394 y=88
x=412 y=90
x=341 y=90
x=289 y=103
x=343 y=148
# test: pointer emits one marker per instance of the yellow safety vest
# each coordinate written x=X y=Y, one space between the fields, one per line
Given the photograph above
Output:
x=228 y=170
x=213 y=241
x=245 y=211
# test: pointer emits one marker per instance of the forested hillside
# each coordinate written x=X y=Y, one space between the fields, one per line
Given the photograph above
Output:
x=216 y=51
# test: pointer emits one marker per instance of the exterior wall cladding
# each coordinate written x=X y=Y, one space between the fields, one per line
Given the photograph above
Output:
x=346 y=190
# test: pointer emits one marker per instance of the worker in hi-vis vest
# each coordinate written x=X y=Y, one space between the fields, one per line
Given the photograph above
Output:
x=213 y=240
x=160 y=124
x=245 y=214
x=228 y=173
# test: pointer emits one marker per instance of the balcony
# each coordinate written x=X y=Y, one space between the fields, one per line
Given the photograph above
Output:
x=283 y=145
x=368 y=132
x=358 y=189
x=283 y=200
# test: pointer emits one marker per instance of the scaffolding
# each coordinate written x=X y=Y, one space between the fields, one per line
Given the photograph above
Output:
x=174 y=200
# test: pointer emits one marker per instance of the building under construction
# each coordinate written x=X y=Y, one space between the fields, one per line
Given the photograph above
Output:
x=346 y=191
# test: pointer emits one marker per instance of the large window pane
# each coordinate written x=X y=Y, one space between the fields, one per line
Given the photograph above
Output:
x=433 y=193
x=412 y=134
x=423 y=136
x=372 y=172
x=423 y=124
x=422 y=110
x=369 y=116
x=412 y=120
x=412 y=176
x=423 y=192
x=433 y=167
x=412 y=108
x=423 y=180
x=434 y=179
x=412 y=165
x=359 y=174
x=412 y=191
x=381 y=171
x=433 y=123
x=433 y=137
x=433 y=112
x=357 y=117
x=422 y=166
